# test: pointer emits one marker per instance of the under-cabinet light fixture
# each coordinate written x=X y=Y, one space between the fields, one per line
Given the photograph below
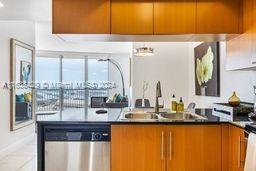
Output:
x=144 y=51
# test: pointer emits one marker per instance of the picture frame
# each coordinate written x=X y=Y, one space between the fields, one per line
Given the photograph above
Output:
x=207 y=69
x=22 y=101
x=25 y=72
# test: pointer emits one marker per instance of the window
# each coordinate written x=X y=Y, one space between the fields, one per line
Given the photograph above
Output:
x=47 y=74
x=47 y=69
x=97 y=71
x=71 y=72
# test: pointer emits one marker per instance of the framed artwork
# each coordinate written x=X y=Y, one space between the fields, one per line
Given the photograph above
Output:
x=22 y=79
x=207 y=69
x=25 y=72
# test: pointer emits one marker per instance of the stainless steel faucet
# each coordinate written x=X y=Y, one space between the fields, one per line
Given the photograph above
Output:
x=158 y=94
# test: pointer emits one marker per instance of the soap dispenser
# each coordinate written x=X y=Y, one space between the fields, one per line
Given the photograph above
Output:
x=180 y=106
x=173 y=105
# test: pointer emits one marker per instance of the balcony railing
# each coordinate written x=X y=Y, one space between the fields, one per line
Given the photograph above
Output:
x=59 y=99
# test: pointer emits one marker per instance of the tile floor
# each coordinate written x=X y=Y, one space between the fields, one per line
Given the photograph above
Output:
x=23 y=159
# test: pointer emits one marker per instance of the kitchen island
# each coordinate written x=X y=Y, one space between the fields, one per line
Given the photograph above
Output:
x=152 y=145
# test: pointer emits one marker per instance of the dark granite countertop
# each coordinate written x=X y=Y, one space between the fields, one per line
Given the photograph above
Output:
x=79 y=115
x=114 y=116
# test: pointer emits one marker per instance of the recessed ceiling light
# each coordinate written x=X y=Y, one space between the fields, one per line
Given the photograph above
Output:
x=1 y=4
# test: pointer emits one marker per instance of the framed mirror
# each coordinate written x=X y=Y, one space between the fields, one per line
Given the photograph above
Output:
x=22 y=79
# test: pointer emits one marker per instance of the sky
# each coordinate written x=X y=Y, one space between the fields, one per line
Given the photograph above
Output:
x=47 y=69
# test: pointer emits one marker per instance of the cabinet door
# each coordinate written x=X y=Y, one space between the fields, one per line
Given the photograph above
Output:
x=218 y=16
x=81 y=16
x=174 y=17
x=137 y=148
x=240 y=49
x=239 y=52
x=237 y=148
x=194 y=148
x=131 y=17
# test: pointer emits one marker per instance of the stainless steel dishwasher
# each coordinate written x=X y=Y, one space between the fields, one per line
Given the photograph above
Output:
x=75 y=148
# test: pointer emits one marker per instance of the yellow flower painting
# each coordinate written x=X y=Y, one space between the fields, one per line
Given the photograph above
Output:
x=207 y=69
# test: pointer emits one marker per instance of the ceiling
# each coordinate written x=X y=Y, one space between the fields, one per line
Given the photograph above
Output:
x=35 y=10
x=40 y=11
x=45 y=40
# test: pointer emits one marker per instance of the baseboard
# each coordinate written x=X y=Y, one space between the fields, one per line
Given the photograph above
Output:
x=15 y=146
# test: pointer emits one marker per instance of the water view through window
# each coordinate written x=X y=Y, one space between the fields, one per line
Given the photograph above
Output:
x=71 y=72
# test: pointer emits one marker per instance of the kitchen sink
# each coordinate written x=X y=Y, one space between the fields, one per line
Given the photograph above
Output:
x=165 y=116
x=140 y=116
x=181 y=116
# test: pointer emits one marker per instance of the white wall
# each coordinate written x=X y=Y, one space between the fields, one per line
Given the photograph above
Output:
x=33 y=10
x=169 y=65
x=114 y=75
x=23 y=31
x=240 y=81
x=173 y=65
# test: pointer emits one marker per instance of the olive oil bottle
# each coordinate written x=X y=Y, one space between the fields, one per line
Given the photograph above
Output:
x=180 y=106
x=173 y=105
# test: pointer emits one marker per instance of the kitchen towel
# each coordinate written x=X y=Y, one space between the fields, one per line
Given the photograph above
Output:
x=250 y=160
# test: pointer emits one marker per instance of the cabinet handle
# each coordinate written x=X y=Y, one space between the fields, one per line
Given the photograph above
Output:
x=240 y=141
x=170 y=139
x=239 y=152
x=162 y=145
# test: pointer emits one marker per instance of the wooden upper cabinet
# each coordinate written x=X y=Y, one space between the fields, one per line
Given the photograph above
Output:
x=81 y=16
x=240 y=50
x=219 y=16
x=137 y=148
x=132 y=17
x=147 y=17
x=194 y=148
x=174 y=17
x=253 y=32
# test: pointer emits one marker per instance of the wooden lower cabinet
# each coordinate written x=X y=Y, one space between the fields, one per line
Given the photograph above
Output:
x=166 y=148
x=137 y=148
x=237 y=149
x=194 y=148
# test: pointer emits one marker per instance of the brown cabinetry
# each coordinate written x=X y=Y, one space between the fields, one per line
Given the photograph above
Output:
x=218 y=16
x=132 y=17
x=81 y=16
x=174 y=17
x=237 y=148
x=241 y=52
x=147 y=17
x=253 y=30
x=194 y=148
x=137 y=148
x=159 y=148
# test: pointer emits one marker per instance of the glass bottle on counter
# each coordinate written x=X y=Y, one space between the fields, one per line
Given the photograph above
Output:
x=234 y=100
x=173 y=105
x=180 y=106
